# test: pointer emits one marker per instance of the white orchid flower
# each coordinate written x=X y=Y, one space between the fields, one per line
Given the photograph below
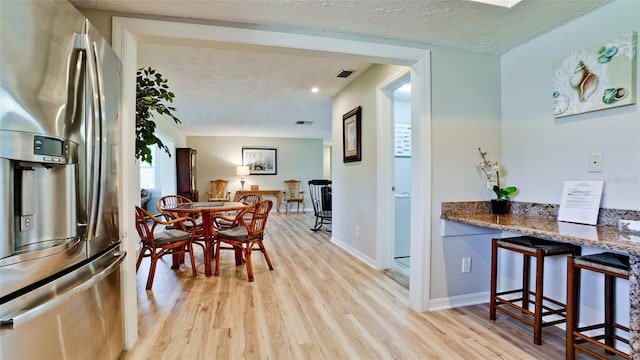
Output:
x=491 y=171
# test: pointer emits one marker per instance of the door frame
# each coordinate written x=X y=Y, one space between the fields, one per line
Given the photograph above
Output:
x=385 y=170
x=127 y=33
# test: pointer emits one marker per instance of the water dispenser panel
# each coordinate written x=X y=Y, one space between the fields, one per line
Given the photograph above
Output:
x=28 y=191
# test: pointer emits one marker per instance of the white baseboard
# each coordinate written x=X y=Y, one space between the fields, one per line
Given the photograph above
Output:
x=458 y=301
x=362 y=257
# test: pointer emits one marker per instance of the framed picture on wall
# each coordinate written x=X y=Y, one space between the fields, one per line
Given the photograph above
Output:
x=261 y=161
x=351 y=135
x=596 y=78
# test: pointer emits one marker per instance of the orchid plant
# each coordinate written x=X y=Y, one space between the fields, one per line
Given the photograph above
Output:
x=491 y=174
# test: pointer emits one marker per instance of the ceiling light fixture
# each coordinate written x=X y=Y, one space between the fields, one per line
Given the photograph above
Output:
x=315 y=90
x=503 y=3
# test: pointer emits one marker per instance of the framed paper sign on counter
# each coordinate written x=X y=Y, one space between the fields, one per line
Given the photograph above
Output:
x=596 y=78
x=581 y=201
x=351 y=135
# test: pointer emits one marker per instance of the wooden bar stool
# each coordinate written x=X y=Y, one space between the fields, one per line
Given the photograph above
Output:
x=612 y=266
x=539 y=249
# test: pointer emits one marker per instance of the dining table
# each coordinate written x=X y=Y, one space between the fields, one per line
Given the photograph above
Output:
x=207 y=210
x=276 y=193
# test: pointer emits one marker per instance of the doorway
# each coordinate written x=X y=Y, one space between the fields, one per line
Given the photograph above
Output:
x=395 y=106
x=402 y=182
x=128 y=32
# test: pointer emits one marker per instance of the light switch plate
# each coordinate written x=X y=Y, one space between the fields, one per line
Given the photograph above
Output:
x=595 y=162
x=466 y=264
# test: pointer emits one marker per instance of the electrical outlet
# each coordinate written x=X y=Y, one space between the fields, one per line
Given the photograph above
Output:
x=466 y=264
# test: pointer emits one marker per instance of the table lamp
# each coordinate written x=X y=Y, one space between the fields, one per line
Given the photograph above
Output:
x=242 y=171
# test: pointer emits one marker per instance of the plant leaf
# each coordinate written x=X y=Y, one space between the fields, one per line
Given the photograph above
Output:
x=151 y=91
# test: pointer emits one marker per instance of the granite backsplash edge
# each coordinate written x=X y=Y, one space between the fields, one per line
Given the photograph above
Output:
x=605 y=216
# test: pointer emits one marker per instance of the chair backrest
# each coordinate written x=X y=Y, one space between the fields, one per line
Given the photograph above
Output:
x=218 y=189
x=320 y=193
x=171 y=201
x=255 y=218
x=146 y=224
x=292 y=189
x=250 y=199
x=145 y=232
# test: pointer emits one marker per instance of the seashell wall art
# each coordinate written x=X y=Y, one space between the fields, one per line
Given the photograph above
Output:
x=597 y=78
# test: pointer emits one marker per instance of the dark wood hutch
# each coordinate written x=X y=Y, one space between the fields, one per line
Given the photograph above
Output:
x=186 y=169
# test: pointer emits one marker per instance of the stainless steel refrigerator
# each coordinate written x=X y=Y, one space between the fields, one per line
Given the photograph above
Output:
x=60 y=252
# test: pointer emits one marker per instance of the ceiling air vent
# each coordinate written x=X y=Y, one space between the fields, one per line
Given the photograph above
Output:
x=302 y=122
x=345 y=73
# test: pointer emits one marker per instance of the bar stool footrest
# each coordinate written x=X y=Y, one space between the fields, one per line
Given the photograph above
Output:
x=596 y=355
x=602 y=336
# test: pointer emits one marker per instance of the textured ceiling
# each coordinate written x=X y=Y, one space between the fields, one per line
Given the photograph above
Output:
x=252 y=92
x=257 y=91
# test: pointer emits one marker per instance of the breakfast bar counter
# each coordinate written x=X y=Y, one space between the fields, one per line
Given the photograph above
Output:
x=539 y=220
x=601 y=236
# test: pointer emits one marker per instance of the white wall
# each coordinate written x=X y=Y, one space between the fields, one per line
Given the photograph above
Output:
x=540 y=152
x=354 y=185
x=466 y=115
x=218 y=156
x=506 y=109
x=326 y=163
x=169 y=129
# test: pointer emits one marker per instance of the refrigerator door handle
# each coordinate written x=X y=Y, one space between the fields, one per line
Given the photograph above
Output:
x=100 y=126
x=93 y=136
x=33 y=313
x=77 y=65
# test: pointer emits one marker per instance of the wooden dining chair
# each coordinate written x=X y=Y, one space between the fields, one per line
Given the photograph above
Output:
x=248 y=233
x=157 y=243
x=174 y=201
x=228 y=220
x=293 y=194
x=250 y=199
x=219 y=191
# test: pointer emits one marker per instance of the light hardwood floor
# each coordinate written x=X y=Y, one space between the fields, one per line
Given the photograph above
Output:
x=400 y=271
x=318 y=303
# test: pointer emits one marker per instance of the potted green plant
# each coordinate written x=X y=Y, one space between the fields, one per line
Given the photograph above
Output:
x=152 y=94
x=491 y=174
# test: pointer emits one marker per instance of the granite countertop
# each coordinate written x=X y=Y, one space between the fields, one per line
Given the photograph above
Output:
x=538 y=220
